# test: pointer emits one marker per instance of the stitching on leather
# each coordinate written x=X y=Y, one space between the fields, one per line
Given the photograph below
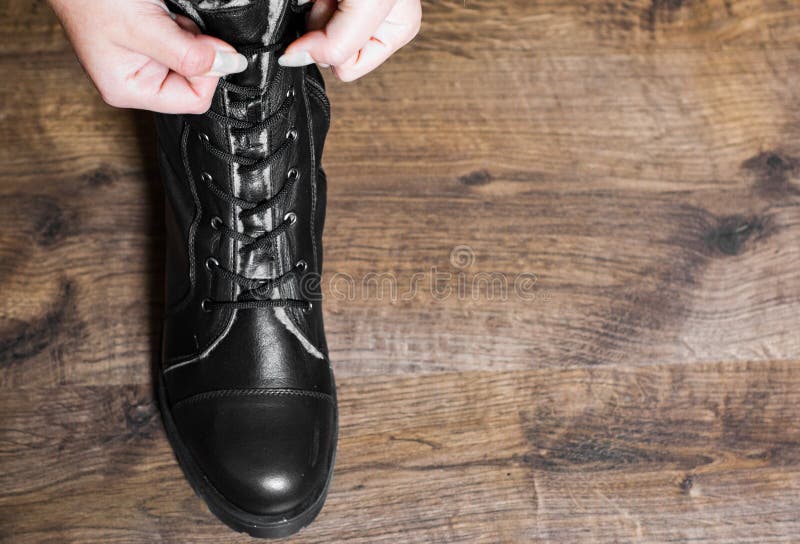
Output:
x=223 y=393
x=223 y=326
x=319 y=94
x=313 y=155
x=195 y=221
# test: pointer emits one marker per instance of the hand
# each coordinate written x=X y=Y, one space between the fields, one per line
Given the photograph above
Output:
x=140 y=56
x=354 y=36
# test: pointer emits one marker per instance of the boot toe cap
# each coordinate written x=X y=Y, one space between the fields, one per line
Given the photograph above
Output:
x=268 y=452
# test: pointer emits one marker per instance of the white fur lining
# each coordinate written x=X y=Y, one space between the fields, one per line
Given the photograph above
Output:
x=280 y=313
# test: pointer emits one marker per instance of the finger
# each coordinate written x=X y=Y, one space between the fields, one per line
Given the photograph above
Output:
x=181 y=95
x=157 y=88
x=352 y=24
x=373 y=54
x=175 y=44
x=399 y=28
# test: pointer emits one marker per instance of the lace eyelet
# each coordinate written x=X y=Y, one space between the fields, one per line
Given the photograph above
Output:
x=291 y=217
x=211 y=263
x=308 y=307
x=204 y=305
x=294 y=173
x=206 y=177
x=216 y=222
x=301 y=265
x=292 y=135
x=291 y=93
x=203 y=137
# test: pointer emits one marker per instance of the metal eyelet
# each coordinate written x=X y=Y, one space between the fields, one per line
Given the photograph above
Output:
x=292 y=135
x=308 y=307
x=206 y=177
x=203 y=137
x=291 y=93
x=301 y=265
x=216 y=222
x=211 y=264
x=291 y=217
x=294 y=173
x=204 y=304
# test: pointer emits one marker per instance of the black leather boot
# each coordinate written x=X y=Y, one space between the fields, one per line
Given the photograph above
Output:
x=246 y=388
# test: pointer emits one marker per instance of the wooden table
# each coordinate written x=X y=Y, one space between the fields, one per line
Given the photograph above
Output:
x=636 y=163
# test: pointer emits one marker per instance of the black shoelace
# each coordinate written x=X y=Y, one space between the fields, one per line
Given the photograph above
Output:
x=254 y=288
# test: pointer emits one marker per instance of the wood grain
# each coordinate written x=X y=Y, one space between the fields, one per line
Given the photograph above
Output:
x=613 y=453
x=637 y=161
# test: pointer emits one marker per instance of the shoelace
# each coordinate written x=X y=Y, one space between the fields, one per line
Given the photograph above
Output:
x=254 y=287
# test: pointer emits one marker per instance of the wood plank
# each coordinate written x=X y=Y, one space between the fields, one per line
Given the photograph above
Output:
x=707 y=452
x=638 y=159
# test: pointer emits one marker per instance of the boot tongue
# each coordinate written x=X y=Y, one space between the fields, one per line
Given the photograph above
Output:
x=240 y=22
x=244 y=23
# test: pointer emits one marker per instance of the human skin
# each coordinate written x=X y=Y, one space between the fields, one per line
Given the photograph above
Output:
x=140 y=56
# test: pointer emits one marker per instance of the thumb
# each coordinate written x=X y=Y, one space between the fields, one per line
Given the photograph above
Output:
x=174 y=44
x=351 y=24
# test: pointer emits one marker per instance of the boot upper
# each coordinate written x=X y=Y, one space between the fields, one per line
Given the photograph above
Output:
x=245 y=363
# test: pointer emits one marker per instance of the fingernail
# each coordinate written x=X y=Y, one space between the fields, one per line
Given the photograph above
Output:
x=227 y=62
x=293 y=60
x=302 y=2
x=324 y=65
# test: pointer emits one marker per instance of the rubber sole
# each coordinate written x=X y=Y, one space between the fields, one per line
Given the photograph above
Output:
x=234 y=517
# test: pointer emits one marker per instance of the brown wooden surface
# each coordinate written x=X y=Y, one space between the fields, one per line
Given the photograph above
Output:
x=640 y=158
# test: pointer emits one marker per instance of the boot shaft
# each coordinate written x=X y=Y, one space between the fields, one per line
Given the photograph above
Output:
x=246 y=194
